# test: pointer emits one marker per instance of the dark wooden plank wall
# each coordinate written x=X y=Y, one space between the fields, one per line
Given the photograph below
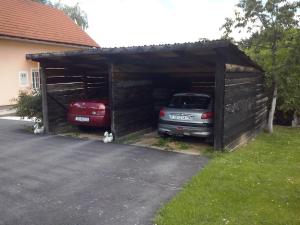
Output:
x=138 y=97
x=64 y=86
x=245 y=109
x=132 y=103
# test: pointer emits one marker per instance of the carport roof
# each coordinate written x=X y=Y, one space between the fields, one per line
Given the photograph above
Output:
x=167 y=52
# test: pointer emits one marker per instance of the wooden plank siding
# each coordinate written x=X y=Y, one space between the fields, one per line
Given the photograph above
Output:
x=132 y=103
x=245 y=104
x=65 y=85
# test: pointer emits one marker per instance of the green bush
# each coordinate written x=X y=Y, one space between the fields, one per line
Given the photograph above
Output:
x=29 y=104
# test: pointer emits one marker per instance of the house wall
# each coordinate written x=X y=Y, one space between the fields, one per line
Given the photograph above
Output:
x=13 y=61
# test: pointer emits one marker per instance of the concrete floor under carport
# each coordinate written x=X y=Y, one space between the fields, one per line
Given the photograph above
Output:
x=47 y=179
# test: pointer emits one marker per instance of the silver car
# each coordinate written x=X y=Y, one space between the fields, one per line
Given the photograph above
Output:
x=187 y=114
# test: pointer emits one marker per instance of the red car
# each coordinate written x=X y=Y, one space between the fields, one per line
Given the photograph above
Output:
x=94 y=113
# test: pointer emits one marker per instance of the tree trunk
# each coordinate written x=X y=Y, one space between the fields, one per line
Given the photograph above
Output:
x=274 y=97
x=295 y=120
x=272 y=110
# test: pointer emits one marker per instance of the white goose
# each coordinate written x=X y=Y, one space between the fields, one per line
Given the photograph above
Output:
x=38 y=129
x=108 y=137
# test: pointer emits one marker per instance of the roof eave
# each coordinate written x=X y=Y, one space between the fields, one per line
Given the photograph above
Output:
x=48 y=41
x=133 y=49
x=210 y=45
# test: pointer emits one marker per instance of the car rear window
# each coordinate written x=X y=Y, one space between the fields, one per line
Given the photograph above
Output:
x=190 y=102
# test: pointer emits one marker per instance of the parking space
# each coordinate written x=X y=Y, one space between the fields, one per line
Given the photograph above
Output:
x=60 y=180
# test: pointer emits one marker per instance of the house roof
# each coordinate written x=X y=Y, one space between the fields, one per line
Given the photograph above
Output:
x=27 y=19
x=158 y=54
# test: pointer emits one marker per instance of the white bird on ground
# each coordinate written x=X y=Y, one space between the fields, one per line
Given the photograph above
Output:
x=38 y=129
x=108 y=137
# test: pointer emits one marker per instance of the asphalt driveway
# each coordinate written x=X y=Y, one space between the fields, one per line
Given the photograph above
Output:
x=52 y=180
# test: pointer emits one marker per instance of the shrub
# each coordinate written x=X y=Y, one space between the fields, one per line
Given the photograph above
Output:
x=29 y=104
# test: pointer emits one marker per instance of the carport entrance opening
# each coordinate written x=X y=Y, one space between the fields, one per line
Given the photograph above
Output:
x=140 y=91
x=139 y=81
x=67 y=84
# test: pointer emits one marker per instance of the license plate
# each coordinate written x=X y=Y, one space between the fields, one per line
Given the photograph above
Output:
x=82 y=119
x=180 y=117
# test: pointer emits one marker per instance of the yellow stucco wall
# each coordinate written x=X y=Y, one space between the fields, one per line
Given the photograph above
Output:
x=13 y=61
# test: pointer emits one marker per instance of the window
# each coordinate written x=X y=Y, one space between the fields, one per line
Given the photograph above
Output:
x=36 y=83
x=190 y=102
x=23 y=79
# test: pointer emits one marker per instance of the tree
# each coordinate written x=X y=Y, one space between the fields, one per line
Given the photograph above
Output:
x=266 y=22
x=42 y=1
x=287 y=67
x=74 y=12
x=289 y=89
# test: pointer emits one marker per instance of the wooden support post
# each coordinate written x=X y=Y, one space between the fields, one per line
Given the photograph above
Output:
x=111 y=99
x=219 y=103
x=44 y=99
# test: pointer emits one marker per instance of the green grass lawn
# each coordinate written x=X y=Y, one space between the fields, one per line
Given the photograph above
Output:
x=257 y=184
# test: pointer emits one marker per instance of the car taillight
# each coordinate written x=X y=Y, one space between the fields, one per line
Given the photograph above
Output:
x=207 y=115
x=161 y=113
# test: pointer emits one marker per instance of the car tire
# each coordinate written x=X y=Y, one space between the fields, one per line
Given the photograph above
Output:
x=209 y=140
x=162 y=135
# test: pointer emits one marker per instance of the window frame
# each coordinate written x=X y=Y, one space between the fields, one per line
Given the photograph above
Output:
x=32 y=78
x=20 y=79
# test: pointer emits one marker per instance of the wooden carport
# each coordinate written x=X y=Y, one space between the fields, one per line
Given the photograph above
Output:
x=139 y=80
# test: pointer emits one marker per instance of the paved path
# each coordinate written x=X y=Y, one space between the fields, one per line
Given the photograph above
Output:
x=52 y=180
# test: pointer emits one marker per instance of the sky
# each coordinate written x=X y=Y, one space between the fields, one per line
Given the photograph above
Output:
x=117 y=23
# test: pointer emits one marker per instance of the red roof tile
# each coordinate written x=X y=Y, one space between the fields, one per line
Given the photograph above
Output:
x=31 y=20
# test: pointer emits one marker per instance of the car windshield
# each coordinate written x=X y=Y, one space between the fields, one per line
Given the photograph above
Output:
x=190 y=102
